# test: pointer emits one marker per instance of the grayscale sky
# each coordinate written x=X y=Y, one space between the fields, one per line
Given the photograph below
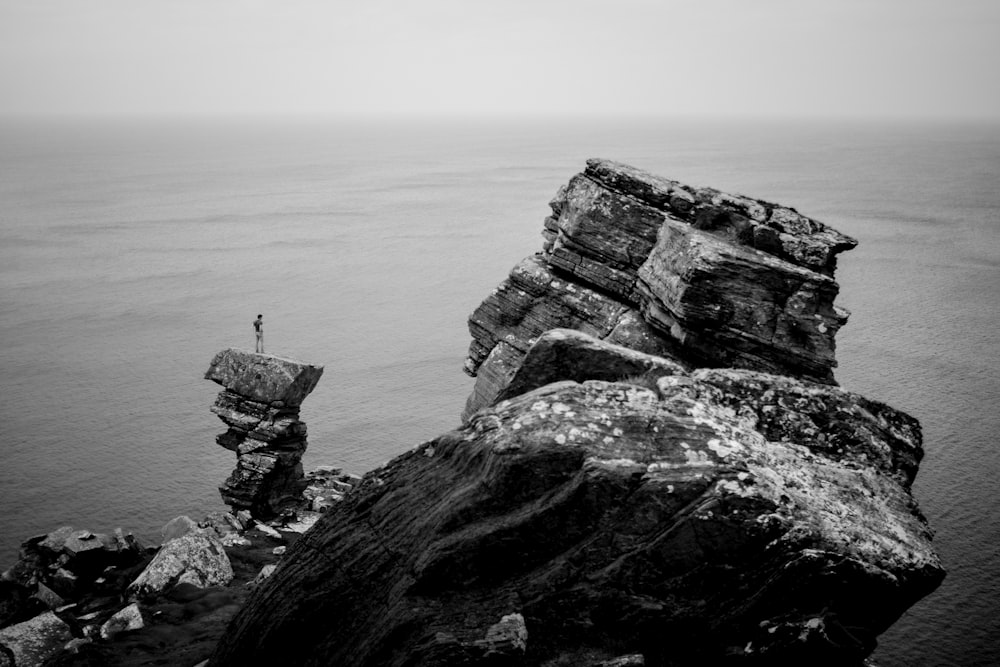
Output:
x=728 y=57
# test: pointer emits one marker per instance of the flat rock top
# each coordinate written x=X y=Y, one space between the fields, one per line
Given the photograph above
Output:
x=789 y=234
x=264 y=377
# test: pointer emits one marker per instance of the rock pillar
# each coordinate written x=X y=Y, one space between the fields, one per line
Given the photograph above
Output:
x=260 y=404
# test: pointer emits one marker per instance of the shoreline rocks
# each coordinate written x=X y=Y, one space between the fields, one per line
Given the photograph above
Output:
x=123 y=601
x=78 y=597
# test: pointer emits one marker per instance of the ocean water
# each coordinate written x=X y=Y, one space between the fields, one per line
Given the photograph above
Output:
x=132 y=251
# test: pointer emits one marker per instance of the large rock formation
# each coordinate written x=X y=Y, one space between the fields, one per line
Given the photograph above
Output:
x=260 y=405
x=608 y=502
x=720 y=514
x=705 y=277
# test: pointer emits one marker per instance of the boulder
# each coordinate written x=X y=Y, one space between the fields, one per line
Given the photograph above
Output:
x=260 y=405
x=226 y=528
x=568 y=354
x=507 y=638
x=267 y=530
x=220 y=524
x=264 y=378
x=32 y=642
x=194 y=558
x=611 y=516
x=48 y=597
x=68 y=563
x=325 y=486
x=129 y=618
x=265 y=572
x=176 y=527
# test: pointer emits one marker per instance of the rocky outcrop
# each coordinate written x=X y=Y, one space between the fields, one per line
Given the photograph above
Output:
x=260 y=405
x=707 y=278
x=132 y=605
x=76 y=597
x=716 y=514
x=655 y=467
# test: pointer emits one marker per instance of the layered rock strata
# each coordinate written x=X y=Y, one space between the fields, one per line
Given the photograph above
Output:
x=708 y=278
x=260 y=404
x=712 y=515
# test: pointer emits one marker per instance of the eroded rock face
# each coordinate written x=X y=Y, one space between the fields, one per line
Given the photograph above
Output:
x=705 y=277
x=697 y=520
x=260 y=405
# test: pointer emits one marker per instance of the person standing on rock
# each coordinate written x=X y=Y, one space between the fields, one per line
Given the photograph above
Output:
x=258 y=327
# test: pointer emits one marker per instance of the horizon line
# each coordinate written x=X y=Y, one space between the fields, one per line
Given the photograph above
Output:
x=452 y=116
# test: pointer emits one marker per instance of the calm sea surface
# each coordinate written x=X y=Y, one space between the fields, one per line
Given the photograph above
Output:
x=131 y=252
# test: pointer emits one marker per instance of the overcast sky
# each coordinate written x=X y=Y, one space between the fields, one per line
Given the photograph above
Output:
x=729 y=57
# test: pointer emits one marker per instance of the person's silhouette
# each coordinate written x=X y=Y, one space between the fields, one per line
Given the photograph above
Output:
x=258 y=327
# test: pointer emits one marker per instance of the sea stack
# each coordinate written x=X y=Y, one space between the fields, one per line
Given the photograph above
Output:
x=260 y=403
x=656 y=466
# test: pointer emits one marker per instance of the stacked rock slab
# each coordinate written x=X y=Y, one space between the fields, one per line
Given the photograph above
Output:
x=708 y=278
x=260 y=404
